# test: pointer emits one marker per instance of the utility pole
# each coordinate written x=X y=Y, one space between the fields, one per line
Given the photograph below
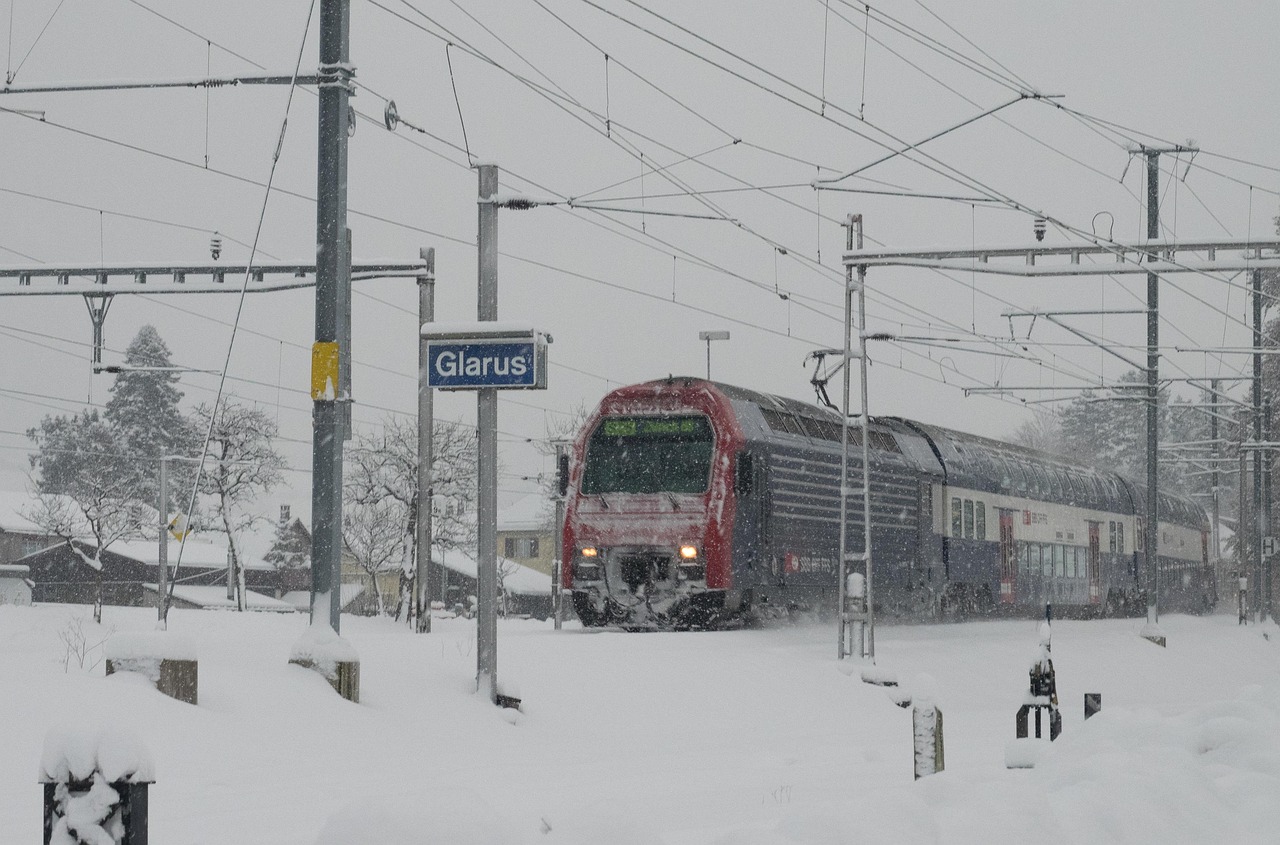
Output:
x=1213 y=476
x=487 y=454
x=333 y=312
x=1267 y=530
x=1259 y=531
x=557 y=562
x=1152 y=525
x=426 y=578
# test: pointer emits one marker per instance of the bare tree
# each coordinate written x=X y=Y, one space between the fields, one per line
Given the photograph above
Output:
x=373 y=532
x=87 y=484
x=383 y=466
x=241 y=441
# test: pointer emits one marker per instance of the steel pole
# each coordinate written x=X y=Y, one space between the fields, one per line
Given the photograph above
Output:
x=426 y=577
x=1257 y=438
x=332 y=307
x=557 y=563
x=487 y=456
x=1213 y=479
x=1266 y=511
x=1153 y=417
x=842 y=601
x=870 y=644
x=162 y=552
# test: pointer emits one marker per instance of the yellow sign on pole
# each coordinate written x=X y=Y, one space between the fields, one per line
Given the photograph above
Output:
x=178 y=527
x=324 y=371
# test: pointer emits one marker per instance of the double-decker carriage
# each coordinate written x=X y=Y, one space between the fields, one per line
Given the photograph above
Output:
x=692 y=501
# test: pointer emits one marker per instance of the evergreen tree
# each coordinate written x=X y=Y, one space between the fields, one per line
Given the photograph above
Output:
x=291 y=548
x=143 y=409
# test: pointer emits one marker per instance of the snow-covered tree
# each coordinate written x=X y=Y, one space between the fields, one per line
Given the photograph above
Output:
x=144 y=409
x=373 y=532
x=291 y=548
x=87 y=483
x=244 y=465
x=383 y=466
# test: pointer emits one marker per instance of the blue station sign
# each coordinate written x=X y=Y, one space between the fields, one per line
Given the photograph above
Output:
x=499 y=359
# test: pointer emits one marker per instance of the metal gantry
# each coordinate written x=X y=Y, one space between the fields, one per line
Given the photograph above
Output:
x=1152 y=258
x=855 y=596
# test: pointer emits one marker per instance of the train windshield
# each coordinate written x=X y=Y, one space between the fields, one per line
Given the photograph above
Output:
x=649 y=455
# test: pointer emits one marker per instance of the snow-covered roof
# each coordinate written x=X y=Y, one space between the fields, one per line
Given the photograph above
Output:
x=14 y=507
x=214 y=597
x=300 y=600
x=520 y=579
x=531 y=513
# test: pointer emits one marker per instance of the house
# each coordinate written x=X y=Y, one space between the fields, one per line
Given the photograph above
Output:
x=19 y=536
x=526 y=532
x=526 y=591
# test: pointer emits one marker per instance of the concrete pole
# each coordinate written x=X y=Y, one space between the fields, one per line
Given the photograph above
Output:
x=426 y=578
x=1152 y=527
x=870 y=643
x=162 y=552
x=333 y=308
x=487 y=456
x=1257 y=438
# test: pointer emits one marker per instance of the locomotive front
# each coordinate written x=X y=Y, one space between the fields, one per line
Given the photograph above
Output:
x=648 y=521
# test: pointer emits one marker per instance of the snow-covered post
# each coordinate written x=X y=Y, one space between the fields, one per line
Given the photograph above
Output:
x=926 y=728
x=168 y=660
x=95 y=787
x=322 y=650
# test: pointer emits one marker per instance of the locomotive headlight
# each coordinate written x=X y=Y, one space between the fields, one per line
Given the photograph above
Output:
x=589 y=551
x=689 y=552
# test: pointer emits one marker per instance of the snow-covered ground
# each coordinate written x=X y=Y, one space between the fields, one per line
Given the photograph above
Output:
x=752 y=737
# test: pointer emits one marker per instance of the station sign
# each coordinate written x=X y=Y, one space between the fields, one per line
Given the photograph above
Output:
x=473 y=356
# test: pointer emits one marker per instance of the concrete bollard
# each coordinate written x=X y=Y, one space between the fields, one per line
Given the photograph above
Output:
x=926 y=724
x=322 y=650
x=168 y=660
x=95 y=787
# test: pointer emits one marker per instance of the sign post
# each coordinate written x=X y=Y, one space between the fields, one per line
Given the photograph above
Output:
x=486 y=357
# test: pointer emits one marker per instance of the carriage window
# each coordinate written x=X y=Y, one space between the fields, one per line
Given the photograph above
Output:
x=1025 y=559
x=1080 y=567
x=1140 y=535
x=649 y=455
x=968 y=519
x=1111 y=535
x=1019 y=478
x=1046 y=560
x=980 y=520
x=1058 y=561
x=1120 y=537
x=955 y=518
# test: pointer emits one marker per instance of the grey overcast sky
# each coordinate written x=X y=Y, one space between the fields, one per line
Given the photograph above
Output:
x=719 y=98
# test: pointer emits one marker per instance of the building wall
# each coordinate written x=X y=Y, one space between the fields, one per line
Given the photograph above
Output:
x=533 y=549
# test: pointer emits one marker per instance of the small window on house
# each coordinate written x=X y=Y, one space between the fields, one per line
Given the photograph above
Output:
x=533 y=547
x=968 y=519
x=509 y=547
x=955 y=518
x=980 y=520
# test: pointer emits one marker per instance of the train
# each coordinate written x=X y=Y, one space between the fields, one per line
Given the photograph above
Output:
x=692 y=503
